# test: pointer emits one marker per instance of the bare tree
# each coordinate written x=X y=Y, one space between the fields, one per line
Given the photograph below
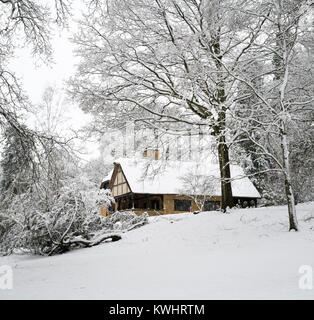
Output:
x=199 y=188
x=24 y=22
x=162 y=62
x=284 y=92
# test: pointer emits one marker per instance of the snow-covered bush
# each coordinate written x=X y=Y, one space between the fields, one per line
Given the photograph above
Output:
x=125 y=220
x=28 y=227
x=73 y=221
x=59 y=206
x=60 y=212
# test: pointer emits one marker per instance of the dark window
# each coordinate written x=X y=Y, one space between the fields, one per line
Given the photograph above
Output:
x=211 y=205
x=155 y=204
x=106 y=185
x=182 y=205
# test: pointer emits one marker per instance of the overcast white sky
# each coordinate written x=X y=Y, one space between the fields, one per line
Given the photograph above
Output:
x=35 y=76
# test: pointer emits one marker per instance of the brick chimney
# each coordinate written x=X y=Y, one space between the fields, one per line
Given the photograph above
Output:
x=151 y=153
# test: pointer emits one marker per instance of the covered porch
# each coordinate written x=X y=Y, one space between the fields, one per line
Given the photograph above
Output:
x=139 y=203
x=245 y=202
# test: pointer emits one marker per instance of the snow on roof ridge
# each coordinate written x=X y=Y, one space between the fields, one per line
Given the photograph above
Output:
x=108 y=176
x=165 y=176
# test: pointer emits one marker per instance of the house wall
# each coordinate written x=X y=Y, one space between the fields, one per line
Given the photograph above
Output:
x=166 y=203
x=103 y=211
x=137 y=201
x=169 y=202
x=120 y=185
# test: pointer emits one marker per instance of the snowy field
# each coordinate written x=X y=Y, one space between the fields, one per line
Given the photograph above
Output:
x=247 y=254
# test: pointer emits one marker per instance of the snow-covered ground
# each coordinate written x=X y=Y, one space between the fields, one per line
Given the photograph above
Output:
x=247 y=254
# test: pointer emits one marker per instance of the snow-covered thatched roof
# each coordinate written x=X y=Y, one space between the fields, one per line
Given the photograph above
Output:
x=167 y=177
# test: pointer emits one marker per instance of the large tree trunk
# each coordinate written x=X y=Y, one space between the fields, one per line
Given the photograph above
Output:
x=293 y=223
x=224 y=163
x=284 y=42
x=224 y=167
x=220 y=131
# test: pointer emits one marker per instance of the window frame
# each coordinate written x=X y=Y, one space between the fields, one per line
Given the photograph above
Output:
x=178 y=207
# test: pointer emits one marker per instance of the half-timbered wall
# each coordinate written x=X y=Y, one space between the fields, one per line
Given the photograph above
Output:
x=120 y=185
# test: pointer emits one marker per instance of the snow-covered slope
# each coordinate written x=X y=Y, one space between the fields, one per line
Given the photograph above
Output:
x=246 y=254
